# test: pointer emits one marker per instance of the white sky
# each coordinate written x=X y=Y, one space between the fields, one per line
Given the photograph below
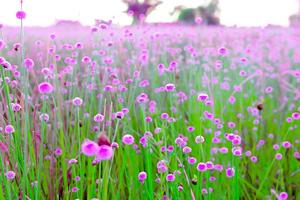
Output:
x=233 y=12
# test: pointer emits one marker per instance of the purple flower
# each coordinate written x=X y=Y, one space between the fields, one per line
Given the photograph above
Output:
x=142 y=176
x=105 y=152
x=128 y=139
x=9 y=129
x=45 y=88
x=10 y=175
x=89 y=148
x=170 y=177
x=21 y=15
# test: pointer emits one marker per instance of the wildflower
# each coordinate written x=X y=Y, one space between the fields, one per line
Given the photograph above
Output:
x=77 y=101
x=201 y=167
x=58 y=151
x=187 y=150
x=286 y=144
x=283 y=196
x=104 y=152
x=21 y=15
x=202 y=97
x=10 y=175
x=128 y=139
x=169 y=87
x=28 y=63
x=230 y=172
x=278 y=156
x=75 y=189
x=199 y=139
x=9 y=129
x=170 y=177
x=98 y=118
x=45 y=88
x=191 y=160
x=142 y=176
x=89 y=148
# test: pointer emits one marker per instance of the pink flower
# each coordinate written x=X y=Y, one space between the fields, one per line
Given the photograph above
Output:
x=230 y=172
x=77 y=101
x=89 y=148
x=21 y=15
x=169 y=87
x=202 y=97
x=9 y=129
x=10 y=175
x=98 y=118
x=142 y=176
x=45 y=88
x=170 y=177
x=28 y=63
x=105 y=152
x=128 y=139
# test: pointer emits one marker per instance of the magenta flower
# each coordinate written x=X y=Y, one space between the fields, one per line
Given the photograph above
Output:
x=45 y=88
x=58 y=151
x=105 y=152
x=128 y=139
x=89 y=148
x=170 y=177
x=10 y=175
x=98 y=118
x=142 y=176
x=9 y=129
x=77 y=101
x=230 y=172
x=283 y=196
x=202 y=97
x=169 y=87
x=296 y=115
x=28 y=63
x=201 y=167
x=21 y=15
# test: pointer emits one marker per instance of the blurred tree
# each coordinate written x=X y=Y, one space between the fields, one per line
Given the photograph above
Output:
x=208 y=13
x=139 y=10
x=295 y=19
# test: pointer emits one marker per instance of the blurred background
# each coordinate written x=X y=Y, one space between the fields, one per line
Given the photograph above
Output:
x=125 y=12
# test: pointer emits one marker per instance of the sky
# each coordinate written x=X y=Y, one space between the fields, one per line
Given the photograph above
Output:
x=233 y=12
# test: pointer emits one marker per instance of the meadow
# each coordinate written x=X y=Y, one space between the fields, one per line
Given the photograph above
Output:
x=149 y=112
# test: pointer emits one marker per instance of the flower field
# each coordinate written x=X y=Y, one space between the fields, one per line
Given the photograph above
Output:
x=149 y=112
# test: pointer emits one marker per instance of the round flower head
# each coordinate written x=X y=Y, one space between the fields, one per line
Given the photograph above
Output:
x=98 y=118
x=89 y=148
x=169 y=87
x=191 y=160
x=286 y=144
x=170 y=177
x=9 y=129
x=142 y=176
x=202 y=97
x=104 y=153
x=199 y=139
x=128 y=139
x=28 y=63
x=201 y=167
x=77 y=101
x=222 y=51
x=296 y=115
x=10 y=175
x=283 y=196
x=278 y=156
x=230 y=172
x=58 y=151
x=21 y=15
x=45 y=88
